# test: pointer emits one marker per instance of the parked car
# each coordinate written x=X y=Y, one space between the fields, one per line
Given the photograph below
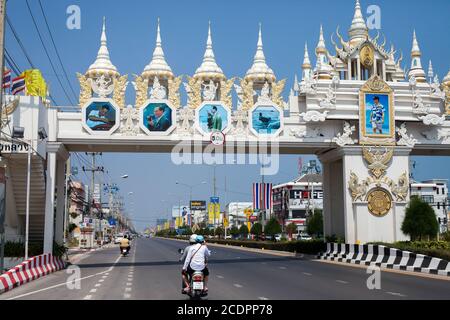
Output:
x=278 y=237
x=229 y=237
x=303 y=237
x=118 y=238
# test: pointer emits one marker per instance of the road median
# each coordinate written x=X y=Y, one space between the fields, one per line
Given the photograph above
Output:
x=262 y=249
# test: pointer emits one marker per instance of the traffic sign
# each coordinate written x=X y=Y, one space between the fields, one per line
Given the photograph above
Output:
x=215 y=200
x=217 y=138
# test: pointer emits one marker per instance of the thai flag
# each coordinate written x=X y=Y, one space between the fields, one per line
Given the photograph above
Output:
x=268 y=196
x=18 y=85
x=7 y=79
x=256 y=196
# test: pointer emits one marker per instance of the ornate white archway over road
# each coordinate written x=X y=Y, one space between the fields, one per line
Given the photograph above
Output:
x=356 y=110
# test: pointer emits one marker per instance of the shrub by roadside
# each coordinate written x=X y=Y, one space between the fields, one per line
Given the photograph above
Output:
x=312 y=247
x=17 y=250
x=437 y=249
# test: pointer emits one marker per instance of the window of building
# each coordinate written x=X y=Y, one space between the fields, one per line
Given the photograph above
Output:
x=428 y=199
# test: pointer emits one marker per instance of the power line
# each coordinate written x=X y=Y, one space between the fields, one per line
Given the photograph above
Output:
x=16 y=35
x=46 y=52
x=56 y=50
x=12 y=63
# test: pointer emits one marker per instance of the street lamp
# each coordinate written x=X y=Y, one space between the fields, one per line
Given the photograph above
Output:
x=190 y=188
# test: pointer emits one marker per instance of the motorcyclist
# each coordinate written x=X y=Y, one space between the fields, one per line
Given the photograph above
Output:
x=125 y=243
x=196 y=260
x=192 y=241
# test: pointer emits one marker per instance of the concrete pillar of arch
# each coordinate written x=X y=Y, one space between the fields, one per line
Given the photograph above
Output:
x=350 y=219
x=56 y=155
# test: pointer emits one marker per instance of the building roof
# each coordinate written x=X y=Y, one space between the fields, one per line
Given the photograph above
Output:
x=304 y=180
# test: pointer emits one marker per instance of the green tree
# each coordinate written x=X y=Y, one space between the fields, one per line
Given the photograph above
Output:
x=420 y=220
x=220 y=232
x=272 y=228
x=188 y=231
x=291 y=229
x=234 y=231
x=243 y=231
x=315 y=224
x=257 y=229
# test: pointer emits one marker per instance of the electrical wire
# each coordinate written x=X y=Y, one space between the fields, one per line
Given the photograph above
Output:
x=47 y=53
x=16 y=35
x=56 y=50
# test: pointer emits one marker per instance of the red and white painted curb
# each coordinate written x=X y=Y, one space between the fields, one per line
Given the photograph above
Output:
x=30 y=270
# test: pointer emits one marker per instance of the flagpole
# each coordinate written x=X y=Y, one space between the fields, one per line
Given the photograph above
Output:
x=2 y=66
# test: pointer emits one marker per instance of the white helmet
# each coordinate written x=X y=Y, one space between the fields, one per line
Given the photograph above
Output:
x=193 y=238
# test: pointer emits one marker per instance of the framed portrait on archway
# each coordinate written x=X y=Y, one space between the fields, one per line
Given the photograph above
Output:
x=157 y=117
x=101 y=116
x=376 y=113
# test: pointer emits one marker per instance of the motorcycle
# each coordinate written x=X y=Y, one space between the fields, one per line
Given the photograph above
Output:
x=197 y=284
x=124 y=251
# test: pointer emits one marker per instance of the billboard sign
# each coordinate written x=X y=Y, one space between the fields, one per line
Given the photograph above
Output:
x=198 y=205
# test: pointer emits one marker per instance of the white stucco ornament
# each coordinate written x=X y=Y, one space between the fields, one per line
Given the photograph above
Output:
x=186 y=115
x=158 y=92
x=240 y=117
x=264 y=97
x=209 y=91
x=128 y=117
x=314 y=116
x=433 y=120
x=345 y=138
x=102 y=86
x=405 y=139
x=419 y=106
x=310 y=133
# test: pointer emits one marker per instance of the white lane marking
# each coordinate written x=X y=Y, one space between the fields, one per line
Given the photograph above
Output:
x=127 y=296
x=307 y=274
x=93 y=291
x=395 y=294
x=220 y=277
x=98 y=285
x=101 y=280
x=88 y=297
x=129 y=284
x=237 y=285
x=263 y=262
x=104 y=277
x=263 y=298
x=341 y=281
x=65 y=283
x=282 y=268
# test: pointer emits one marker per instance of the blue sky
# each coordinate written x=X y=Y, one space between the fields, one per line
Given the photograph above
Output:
x=287 y=25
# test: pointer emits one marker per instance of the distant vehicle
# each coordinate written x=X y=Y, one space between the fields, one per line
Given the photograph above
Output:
x=278 y=237
x=304 y=237
x=228 y=237
x=118 y=238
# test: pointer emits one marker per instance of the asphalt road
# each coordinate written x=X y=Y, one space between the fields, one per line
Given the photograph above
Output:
x=152 y=271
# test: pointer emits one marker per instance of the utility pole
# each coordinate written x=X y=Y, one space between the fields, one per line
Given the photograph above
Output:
x=3 y=173
x=93 y=170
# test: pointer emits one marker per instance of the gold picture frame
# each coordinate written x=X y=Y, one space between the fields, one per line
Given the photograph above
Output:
x=376 y=113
